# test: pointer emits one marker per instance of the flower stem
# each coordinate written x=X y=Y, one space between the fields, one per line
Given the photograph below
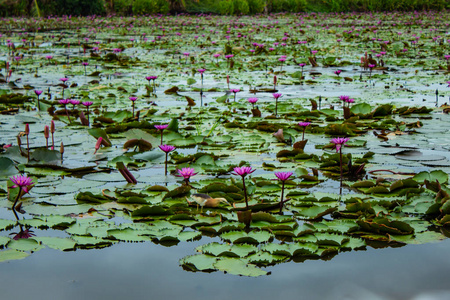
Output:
x=17 y=198
x=282 y=196
x=28 y=150
x=276 y=106
x=340 y=159
x=245 y=192
x=165 y=169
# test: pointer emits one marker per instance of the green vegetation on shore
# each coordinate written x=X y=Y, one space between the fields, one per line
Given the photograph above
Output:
x=36 y=8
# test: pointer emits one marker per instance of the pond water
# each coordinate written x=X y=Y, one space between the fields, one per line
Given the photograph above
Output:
x=368 y=221
x=145 y=270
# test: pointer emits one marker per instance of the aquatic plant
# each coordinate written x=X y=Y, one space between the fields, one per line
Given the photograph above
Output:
x=303 y=125
x=339 y=144
x=244 y=171
x=23 y=183
x=276 y=96
x=161 y=129
x=132 y=99
x=98 y=144
x=253 y=100
x=186 y=173
x=282 y=176
x=38 y=93
x=166 y=149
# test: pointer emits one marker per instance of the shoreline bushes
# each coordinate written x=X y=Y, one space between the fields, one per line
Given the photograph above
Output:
x=36 y=8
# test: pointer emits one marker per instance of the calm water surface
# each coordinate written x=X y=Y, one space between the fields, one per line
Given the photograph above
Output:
x=149 y=271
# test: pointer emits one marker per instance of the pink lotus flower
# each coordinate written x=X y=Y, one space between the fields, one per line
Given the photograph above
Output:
x=132 y=98
x=344 y=98
x=37 y=92
x=277 y=95
x=167 y=148
x=22 y=182
x=186 y=173
x=74 y=101
x=304 y=124
x=283 y=176
x=339 y=142
x=64 y=101
x=201 y=71
x=243 y=171
x=161 y=127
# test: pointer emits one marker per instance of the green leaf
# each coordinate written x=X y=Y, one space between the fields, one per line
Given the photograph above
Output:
x=25 y=245
x=191 y=81
x=7 y=167
x=315 y=212
x=6 y=255
x=238 y=267
x=296 y=249
x=253 y=237
x=217 y=249
x=200 y=262
x=98 y=132
x=45 y=155
x=57 y=243
x=361 y=108
x=432 y=176
x=173 y=125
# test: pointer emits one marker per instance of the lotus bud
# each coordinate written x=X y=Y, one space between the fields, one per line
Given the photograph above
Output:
x=98 y=144
x=27 y=129
x=46 y=132
x=275 y=80
x=228 y=79
x=52 y=127
x=61 y=149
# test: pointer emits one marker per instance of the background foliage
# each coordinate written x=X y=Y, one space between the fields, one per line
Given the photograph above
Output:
x=223 y=7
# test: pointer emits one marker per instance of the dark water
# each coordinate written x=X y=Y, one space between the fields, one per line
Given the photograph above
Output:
x=149 y=271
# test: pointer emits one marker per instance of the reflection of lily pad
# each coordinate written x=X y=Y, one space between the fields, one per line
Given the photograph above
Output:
x=415 y=155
